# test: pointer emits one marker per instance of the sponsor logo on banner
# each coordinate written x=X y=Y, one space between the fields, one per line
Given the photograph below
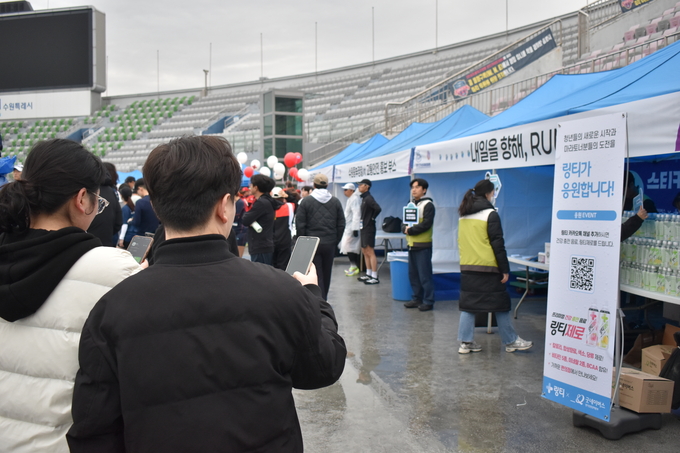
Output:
x=507 y=64
x=628 y=5
x=584 y=263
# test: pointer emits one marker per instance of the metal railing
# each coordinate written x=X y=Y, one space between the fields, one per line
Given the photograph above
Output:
x=398 y=115
x=601 y=12
x=330 y=149
x=496 y=100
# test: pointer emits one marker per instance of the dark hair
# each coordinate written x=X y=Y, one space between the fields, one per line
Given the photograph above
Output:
x=126 y=194
x=186 y=177
x=129 y=179
x=293 y=195
x=676 y=201
x=482 y=188
x=139 y=183
x=54 y=171
x=112 y=179
x=421 y=182
x=307 y=188
x=264 y=184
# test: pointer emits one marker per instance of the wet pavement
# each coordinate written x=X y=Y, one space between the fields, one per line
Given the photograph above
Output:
x=405 y=388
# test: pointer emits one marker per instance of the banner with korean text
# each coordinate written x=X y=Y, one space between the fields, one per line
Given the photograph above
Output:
x=48 y=104
x=505 y=65
x=395 y=165
x=653 y=129
x=584 y=263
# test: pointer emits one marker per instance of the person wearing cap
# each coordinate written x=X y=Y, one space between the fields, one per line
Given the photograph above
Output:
x=350 y=243
x=16 y=173
x=321 y=215
x=283 y=221
x=419 y=240
x=369 y=211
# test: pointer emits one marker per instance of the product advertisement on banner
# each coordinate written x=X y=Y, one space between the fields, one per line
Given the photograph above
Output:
x=390 y=166
x=499 y=69
x=584 y=263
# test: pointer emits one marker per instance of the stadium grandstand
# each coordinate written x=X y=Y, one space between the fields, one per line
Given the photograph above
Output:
x=351 y=104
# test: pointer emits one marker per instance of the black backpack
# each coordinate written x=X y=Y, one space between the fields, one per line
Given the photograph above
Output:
x=391 y=224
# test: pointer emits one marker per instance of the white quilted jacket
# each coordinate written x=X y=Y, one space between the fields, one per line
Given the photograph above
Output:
x=39 y=355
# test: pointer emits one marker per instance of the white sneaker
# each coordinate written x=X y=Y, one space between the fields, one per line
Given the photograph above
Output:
x=518 y=345
x=466 y=348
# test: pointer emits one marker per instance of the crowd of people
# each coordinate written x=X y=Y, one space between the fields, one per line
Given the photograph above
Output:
x=104 y=353
x=101 y=353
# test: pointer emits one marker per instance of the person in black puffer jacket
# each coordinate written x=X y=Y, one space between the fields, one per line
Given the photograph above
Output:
x=261 y=217
x=321 y=215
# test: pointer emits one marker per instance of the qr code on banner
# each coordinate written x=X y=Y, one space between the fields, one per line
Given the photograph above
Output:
x=581 y=273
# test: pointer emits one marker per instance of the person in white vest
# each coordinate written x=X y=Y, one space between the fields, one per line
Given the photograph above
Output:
x=350 y=244
x=51 y=274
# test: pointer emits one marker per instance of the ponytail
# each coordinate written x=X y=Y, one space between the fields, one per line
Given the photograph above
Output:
x=482 y=188
x=54 y=171
x=17 y=200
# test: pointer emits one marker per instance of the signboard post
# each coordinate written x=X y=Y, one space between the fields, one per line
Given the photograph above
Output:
x=584 y=263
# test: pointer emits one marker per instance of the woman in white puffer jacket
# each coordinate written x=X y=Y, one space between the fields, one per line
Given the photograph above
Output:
x=51 y=274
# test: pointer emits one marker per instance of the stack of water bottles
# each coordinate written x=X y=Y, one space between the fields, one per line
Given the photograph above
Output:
x=650 y=258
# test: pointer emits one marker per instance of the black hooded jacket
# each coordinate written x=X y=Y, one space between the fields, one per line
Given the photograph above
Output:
x=33 y=263
x=262 y=212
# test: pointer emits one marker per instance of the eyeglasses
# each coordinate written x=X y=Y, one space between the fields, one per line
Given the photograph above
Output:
x=102 y=203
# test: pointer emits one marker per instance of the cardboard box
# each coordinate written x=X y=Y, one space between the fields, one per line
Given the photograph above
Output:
x=644 y=393
x=645 y=340
x=654 y=358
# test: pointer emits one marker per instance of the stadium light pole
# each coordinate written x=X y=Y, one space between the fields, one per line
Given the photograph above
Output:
x=261 y=58
x=316 y=49
x=205 y=91
x=373 y=30
x=436 y=25
x=210 y=65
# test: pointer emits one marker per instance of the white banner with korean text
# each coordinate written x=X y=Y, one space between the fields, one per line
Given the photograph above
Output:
x=584 y=263
x=48 y=104
x=395 y=165
x=653 y=129
x=328 y=171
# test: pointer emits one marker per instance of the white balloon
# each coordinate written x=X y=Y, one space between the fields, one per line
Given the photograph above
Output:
x=303 y=174
x=265 y=171
x=241 y=158
x=271 y=161
x=255 y=164
x=278 y=174
x=279 y=168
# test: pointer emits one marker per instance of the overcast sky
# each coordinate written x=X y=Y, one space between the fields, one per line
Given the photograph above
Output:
x=182 y=32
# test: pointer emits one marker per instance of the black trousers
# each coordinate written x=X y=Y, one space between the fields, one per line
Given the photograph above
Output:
x=323 y=261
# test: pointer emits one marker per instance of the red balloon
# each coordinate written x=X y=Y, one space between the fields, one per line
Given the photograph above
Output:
x=289 y=160
x=293 y=172
x=248 y=172
x=298 y=179
x=298 y=158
